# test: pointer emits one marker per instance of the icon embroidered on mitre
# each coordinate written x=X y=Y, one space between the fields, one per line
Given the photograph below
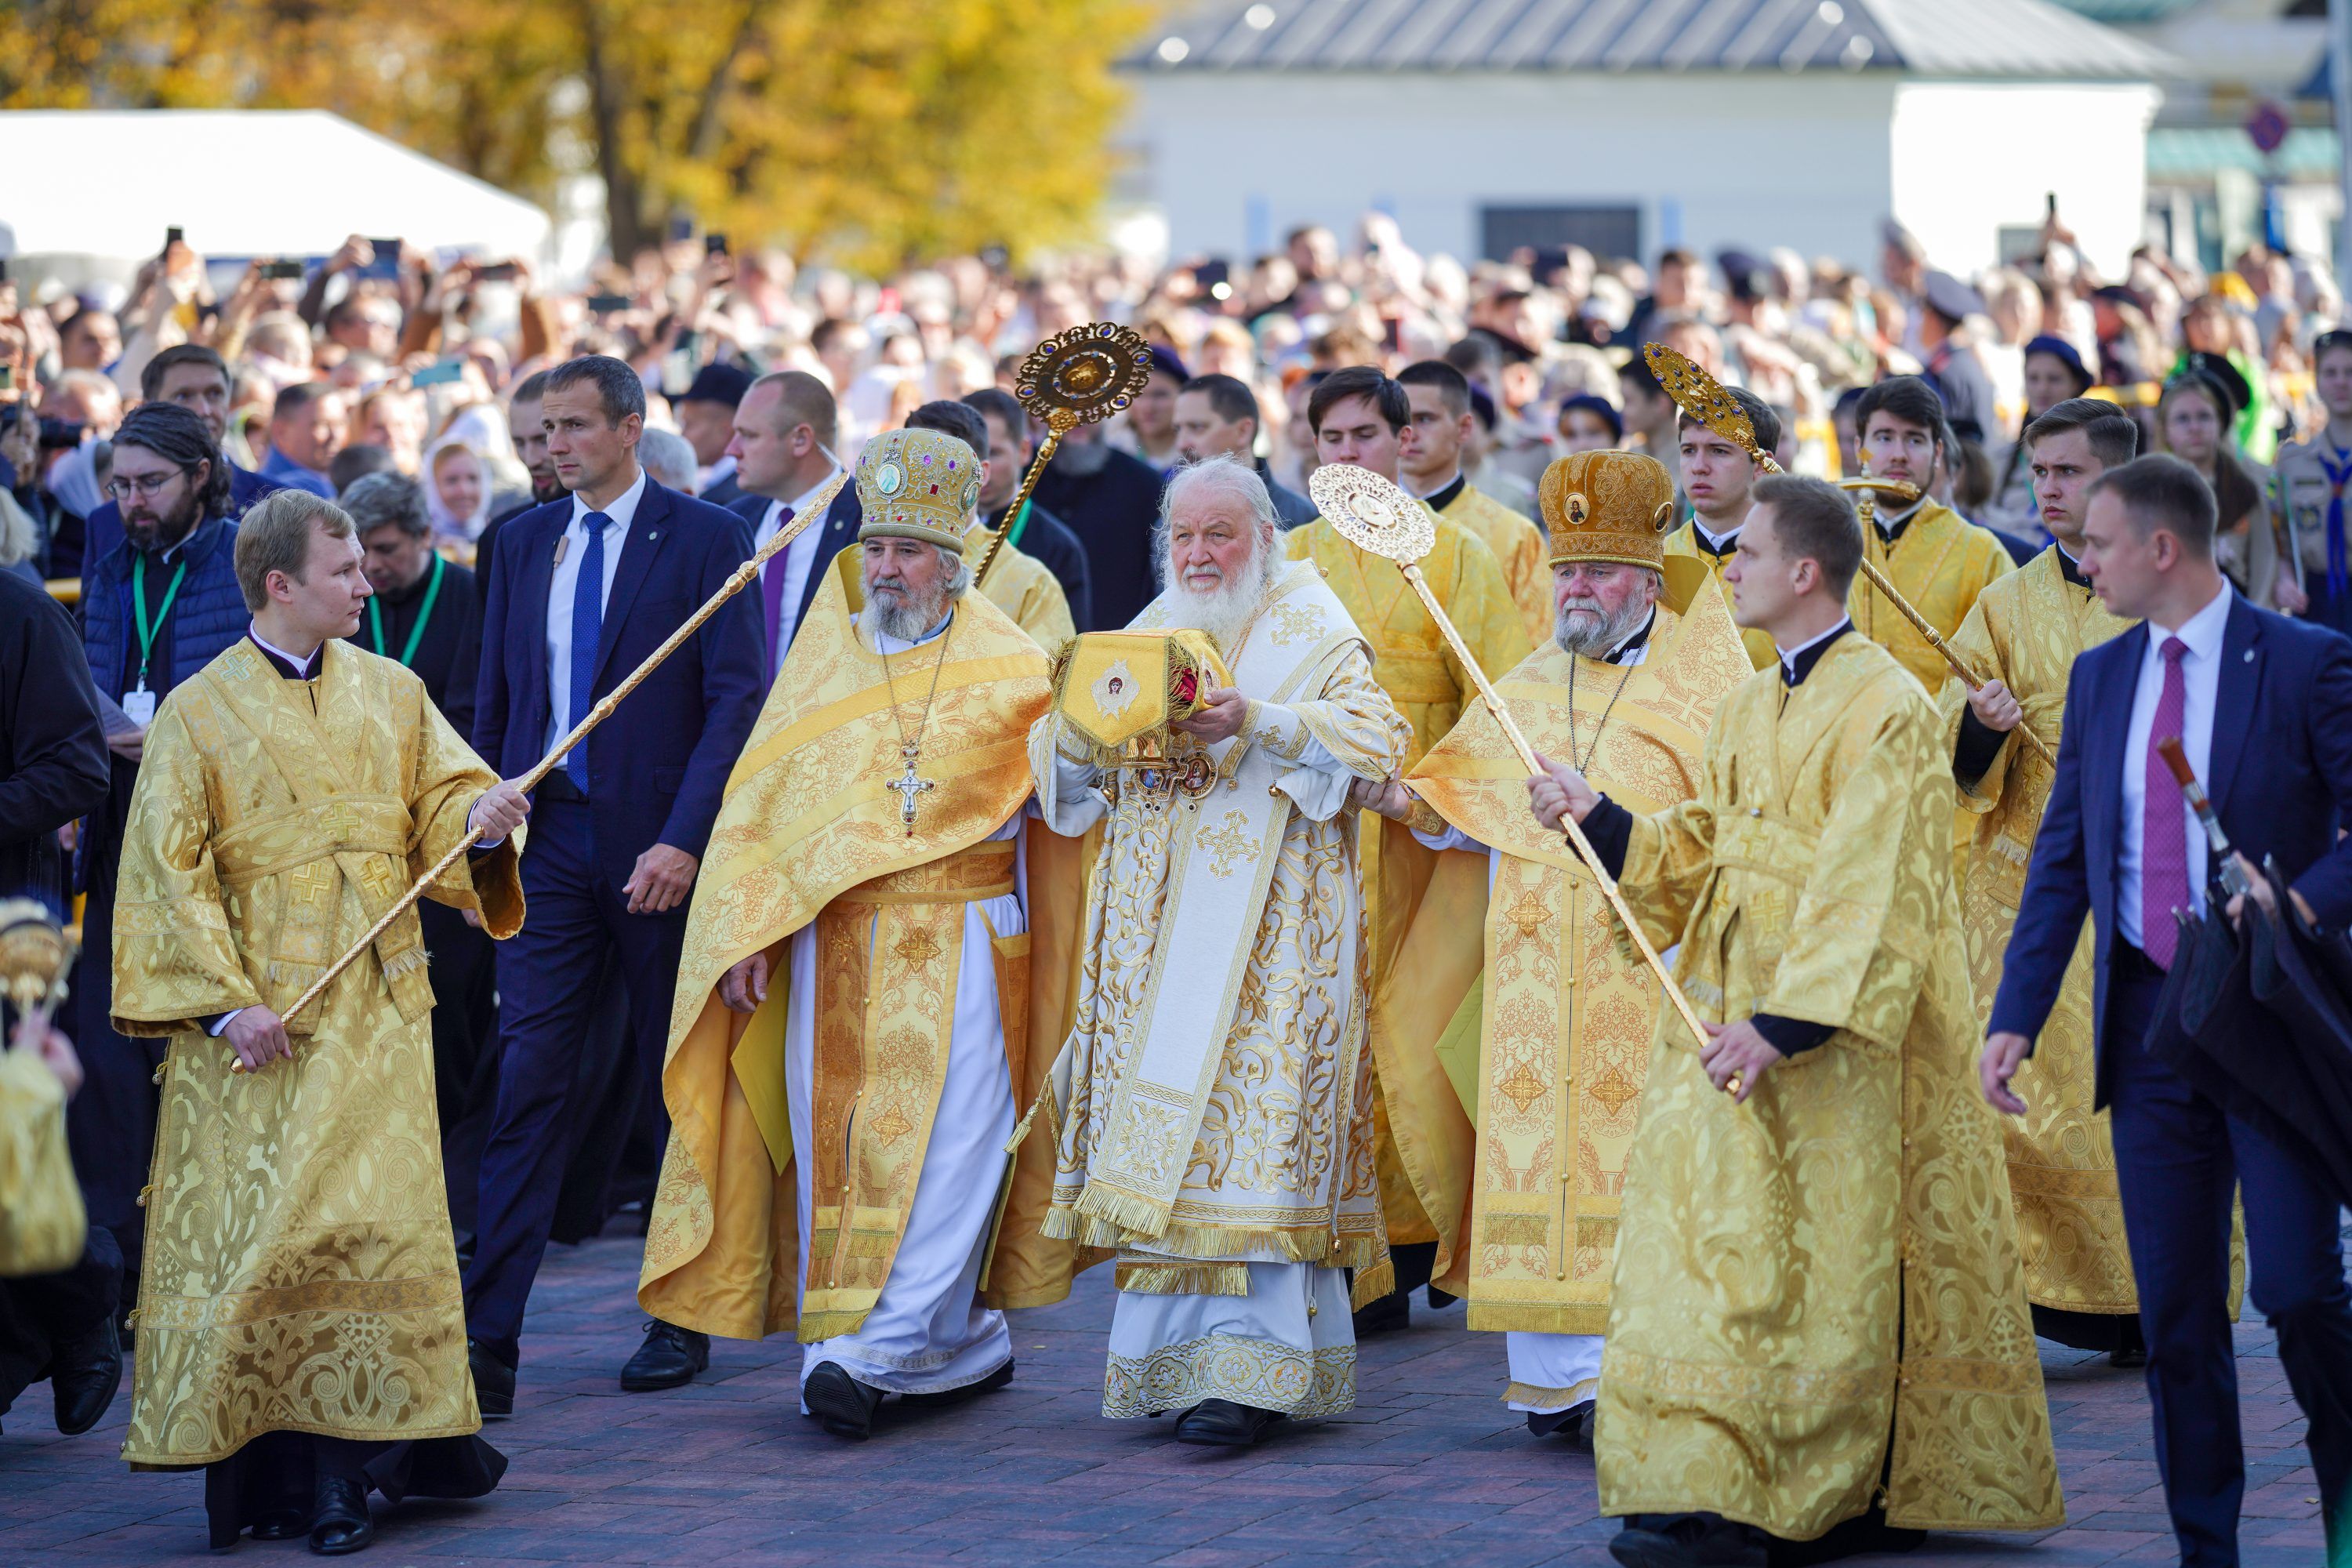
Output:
x=1115 y=690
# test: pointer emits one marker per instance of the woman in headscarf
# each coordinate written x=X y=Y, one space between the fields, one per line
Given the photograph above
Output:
x=2192 y=422
x=2054 y=373
x=458 y=492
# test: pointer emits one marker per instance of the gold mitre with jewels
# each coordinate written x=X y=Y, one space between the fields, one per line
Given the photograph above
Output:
x=917 y=484
x=1608 y=506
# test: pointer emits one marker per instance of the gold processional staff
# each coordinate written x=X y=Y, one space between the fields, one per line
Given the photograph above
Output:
x=1699 y=395
x=1080 y=377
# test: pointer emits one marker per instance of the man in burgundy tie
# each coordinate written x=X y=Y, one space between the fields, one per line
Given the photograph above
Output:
x=784 y=436
x=2263 y=706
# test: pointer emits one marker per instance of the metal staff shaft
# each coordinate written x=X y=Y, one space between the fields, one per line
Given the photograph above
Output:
x=1518 y=739
x=1058 y=424
x=737 y=580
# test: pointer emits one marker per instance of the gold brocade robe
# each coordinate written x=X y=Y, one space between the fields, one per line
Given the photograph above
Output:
x=1519 y=549
x=810 y=831
x=300 y=1273
x=1684 y=541
x=1564 y=1013
x=1940 y=563
x=1836 y=1259
x=2024 y=632
x=1426 y=1143
x=1019 y=584
x=42 y=1221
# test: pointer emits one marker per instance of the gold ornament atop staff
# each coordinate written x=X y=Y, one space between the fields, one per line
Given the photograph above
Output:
x=36 y=956
x=736 y=583
x=1081 y=376
x=1702 y=397
x=1373 y=514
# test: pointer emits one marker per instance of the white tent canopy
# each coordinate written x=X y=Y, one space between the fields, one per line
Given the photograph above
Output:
x=240 y=183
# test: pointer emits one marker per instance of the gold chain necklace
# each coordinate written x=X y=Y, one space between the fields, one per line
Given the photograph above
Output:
x=909 y=784
x=1584 y=764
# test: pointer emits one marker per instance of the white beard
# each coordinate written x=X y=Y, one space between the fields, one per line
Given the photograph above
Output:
x=1225 y=611
x=899 y=617
x=1595 y=634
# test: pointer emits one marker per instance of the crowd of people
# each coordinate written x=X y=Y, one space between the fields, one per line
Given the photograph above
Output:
x=869 y=887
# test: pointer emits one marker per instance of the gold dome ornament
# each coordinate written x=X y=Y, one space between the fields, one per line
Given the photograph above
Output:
x=1081 y=376
x=36 y=956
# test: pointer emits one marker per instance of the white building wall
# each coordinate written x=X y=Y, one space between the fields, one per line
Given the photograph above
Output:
x=1971 y=158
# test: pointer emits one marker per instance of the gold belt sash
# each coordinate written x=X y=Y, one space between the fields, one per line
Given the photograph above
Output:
x=287 y=840
x=1415 y=675
x=889 y=956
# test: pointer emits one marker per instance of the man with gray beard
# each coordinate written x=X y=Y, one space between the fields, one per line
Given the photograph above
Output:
x=1215 y=1132
x=1540 y=1018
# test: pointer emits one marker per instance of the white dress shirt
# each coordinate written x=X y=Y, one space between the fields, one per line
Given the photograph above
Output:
x=2200 y=679
x=799 y=560
x=565 y=584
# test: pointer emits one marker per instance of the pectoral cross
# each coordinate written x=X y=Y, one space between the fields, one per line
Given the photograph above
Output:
x=909 y=786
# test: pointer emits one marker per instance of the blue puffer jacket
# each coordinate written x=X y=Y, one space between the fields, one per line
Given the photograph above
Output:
x=207 y=617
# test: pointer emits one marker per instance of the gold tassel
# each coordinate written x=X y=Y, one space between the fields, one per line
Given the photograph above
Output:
x=1184 y=1279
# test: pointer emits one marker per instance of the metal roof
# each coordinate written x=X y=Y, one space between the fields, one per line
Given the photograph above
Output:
x=2004 y=38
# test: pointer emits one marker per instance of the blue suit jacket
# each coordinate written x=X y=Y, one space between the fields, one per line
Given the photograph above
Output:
x=843 y=519
x=2280 y=776
x=656 y=767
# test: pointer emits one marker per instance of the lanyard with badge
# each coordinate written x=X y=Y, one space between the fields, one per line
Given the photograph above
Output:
x=423 y=615
x=139 y=703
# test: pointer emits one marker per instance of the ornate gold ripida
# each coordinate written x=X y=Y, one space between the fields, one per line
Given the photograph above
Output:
x=1085 y=375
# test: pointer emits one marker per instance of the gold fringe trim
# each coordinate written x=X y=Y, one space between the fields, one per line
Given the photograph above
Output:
x=1371 y=1284
x=1538 y=1317
x=1546 y=1400
x=1184 y=1279
x=1289 y=1244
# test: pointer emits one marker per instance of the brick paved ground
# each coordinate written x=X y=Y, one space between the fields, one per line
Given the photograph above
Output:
x=1429 y=1469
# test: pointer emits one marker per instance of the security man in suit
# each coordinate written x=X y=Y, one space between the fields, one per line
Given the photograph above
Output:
x=2263 y=706
x=785 y=430
x=582 y=589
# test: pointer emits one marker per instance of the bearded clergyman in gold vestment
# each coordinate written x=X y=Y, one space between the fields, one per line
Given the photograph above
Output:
x=2020 y=639
x=1359 y=416
x=1213 y=1102
x=854 y=1027
x=1819 y=1312
x=1557 y=1016
x=300 y=1329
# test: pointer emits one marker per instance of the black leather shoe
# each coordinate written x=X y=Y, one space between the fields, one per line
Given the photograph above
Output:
x=1574 y=1423
x=1384 y=1314
x=1221 y=1423
x=494 y=1382
x=1688 y=1541
x=846 y=1406
x=83 y=1376
x=669 y=1359
x=944 y=1398
x=340 y=1523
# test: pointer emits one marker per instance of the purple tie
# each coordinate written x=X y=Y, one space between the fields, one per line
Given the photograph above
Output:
x=2163 y=825
x=772 y=593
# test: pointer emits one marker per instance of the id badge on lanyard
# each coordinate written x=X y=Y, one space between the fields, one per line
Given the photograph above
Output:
x=139 y=707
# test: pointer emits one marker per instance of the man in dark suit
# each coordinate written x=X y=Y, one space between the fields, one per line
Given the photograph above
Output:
x=2263 y=705
x=1110 y=499
x=584 y=589
x=706 y=418
x=786 y=428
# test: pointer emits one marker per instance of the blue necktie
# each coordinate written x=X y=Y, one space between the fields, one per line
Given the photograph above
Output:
x=587 y=630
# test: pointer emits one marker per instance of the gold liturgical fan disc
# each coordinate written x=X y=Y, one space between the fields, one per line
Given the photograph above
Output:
x=1084 y=376
x=1371 y=513
x=1699 y=394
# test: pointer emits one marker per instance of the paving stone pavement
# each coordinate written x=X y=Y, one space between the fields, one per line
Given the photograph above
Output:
x=1428 y=1470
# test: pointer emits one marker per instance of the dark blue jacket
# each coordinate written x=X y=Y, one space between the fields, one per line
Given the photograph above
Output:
x=102 y=529
x=656 y=767
x=2280 y=777
x=207 y=617
x=843 y=519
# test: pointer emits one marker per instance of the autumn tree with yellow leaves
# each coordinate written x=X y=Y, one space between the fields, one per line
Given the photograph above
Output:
x=865 y=134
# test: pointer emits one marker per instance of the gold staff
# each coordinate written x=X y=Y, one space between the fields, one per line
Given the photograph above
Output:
x=736 y=583
x=1081 y=378
x=1373 y=514
x=1699 y=395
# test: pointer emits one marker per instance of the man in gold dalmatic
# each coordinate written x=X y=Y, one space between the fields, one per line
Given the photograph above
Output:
x=302 y=1331
x=1213 y=1101
x=856 y=1022
x=1442 y=430
x=1936 y=558
x=1819 y=1312
x=1553 y=1019
x=2022 y=637
x=1358 y=415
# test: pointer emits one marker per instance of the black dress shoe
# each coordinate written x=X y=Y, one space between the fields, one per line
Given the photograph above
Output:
x=1574 y=1423
x=1688 y=1541
x=669 y=1359
x=1221 y=1423
x=494 y=1382
x=1384 y=1314
x=842 y=1403
x=83 y=1376
x=944 y=1398
x=280 y=1526
x=340 y=1523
